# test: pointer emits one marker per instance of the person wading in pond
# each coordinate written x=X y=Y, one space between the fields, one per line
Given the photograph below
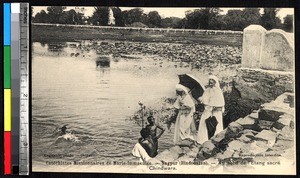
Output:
x=63 y=130
x=214 y=103
x=152 y=128
x=184 y=125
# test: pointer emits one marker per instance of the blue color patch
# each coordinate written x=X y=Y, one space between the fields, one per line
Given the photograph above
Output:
x=6 y=25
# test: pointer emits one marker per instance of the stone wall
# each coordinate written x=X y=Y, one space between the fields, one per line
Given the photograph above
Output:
x=264 y=85
x=149 y=30
x=265 y=136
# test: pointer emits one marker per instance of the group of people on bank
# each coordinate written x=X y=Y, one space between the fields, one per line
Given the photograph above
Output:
x=185 y=127
x=214 y=106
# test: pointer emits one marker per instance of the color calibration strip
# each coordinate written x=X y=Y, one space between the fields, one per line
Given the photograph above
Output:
x=7 y=88
x=16 y=88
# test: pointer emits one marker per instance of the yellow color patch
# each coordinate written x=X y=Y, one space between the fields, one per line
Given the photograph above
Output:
x=7 y=109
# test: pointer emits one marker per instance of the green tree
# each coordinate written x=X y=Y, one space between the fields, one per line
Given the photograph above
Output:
x=154 y=19
x=200 y=18
x=119 y=20
x=269 y=20
x=54 y=13
x=79 y=18
x=217 y=22
x=100 y=16
x=251 y=16
x=193 y=19
x=288 y=23
x=71 y=17
x=132 y=15
x=41 y=17
x=145 y=19
x=213 y=14
x=181 y=24
x=239 y=19
x=233 y=20
x=170 y=22
x=125 y=17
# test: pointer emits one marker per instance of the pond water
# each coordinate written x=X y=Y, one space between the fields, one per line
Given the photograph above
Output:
x=95 y=103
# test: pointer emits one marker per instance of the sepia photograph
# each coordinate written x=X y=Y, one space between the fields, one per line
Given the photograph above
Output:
x=164 y=90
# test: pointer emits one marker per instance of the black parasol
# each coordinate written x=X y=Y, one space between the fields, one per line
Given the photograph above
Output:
x=196 y=88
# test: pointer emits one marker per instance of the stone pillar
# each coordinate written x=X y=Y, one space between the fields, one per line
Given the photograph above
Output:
x=278 y=52
x=253 y=42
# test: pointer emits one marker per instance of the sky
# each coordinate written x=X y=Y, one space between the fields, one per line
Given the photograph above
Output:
x=168 y=12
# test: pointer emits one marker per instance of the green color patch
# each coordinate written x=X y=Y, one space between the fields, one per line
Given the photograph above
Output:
x=7 y=67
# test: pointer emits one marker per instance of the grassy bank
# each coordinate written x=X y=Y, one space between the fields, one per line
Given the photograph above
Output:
x=46 y=33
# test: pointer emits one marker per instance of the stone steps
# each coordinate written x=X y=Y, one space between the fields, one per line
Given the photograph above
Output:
x=247 y=140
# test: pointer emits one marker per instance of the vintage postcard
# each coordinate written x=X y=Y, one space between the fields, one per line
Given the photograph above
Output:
x=163 y=90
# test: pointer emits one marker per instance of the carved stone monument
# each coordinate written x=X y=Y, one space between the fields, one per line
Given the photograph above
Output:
x=268 y=62
x=271 y=50
x=253 y=42
x=278 y=51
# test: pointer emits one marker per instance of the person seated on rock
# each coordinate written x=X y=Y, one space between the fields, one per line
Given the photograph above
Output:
x=144 y=149
x=152 y=128
x=147 y=143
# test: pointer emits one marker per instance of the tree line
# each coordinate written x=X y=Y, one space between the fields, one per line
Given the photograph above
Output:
x=202 y=18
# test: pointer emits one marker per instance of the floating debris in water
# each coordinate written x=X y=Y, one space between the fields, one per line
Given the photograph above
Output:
x=103 y=61
x=198 y=55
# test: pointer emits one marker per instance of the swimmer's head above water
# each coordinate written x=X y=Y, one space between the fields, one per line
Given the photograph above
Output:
x=64 y=129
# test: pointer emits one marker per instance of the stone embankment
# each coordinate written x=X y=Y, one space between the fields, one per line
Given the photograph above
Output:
x=72 y=33
x=143 y=29
x=264 y=137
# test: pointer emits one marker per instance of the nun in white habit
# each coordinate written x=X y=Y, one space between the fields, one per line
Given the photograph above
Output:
x=184 y=125
x=214 y=103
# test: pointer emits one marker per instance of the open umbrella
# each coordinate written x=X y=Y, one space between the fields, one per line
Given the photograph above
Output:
x=196 y=88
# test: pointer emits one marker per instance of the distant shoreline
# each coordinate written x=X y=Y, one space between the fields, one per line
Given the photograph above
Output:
x=70 y=33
